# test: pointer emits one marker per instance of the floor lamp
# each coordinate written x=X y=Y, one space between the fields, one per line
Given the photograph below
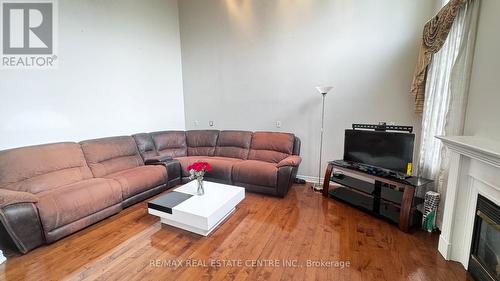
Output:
x=323 y=90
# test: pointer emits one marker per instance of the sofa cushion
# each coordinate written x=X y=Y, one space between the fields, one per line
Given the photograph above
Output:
x=255 y=172
x=234 y=144
x=270 y=146
x=222 y=167
x=145 y=145
x=170 y=143
x=72 y=202
x=139 y=179
x=201 y=142
x=110 y=155
x=40 y=168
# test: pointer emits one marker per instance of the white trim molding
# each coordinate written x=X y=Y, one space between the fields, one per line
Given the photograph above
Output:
x=474 y=169
x=482 y=149
x=310 y=179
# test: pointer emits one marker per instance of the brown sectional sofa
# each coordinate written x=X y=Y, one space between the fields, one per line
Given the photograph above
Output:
x=53 y=190
x=264 y=162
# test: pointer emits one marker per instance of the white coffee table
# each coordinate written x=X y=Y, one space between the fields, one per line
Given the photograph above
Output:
x=200 y=214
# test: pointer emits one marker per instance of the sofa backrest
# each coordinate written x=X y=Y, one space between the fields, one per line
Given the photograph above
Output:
x=201 y=142
x=170 y=143
x=234 y=144
x=145 y=145
x=110 y=155
x=39 y=168
x=271 y=146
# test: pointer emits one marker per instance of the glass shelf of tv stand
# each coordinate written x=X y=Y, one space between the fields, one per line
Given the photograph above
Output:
x=368 y=188
x=361 y=187
x=365 y=187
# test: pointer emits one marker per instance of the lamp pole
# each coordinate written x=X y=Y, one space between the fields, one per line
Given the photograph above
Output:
x=323 y=91
x=321 y=139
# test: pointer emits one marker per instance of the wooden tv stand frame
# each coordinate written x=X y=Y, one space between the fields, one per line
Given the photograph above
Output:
x=406 y=206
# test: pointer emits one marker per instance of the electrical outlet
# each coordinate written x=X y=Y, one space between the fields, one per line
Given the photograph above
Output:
x=211 y=123
x=196 y=123
x=278 y=124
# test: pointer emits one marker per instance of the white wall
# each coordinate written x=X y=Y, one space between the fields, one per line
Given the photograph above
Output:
x=119 y=73
x=483 y=112
x=249 y=63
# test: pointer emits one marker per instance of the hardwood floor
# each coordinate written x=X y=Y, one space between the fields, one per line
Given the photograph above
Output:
x=265 y=239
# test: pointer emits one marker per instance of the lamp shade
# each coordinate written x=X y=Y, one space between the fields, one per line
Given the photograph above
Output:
x=324 y=89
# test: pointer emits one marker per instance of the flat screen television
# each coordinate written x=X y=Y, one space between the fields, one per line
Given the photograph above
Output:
x=388 y=150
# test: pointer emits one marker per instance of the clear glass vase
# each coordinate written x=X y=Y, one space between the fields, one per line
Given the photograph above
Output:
x=200 y=190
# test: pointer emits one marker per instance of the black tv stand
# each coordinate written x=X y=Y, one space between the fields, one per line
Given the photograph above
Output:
x=390 y=198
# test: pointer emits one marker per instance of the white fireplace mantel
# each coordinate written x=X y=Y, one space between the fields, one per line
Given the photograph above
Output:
x=474 y=169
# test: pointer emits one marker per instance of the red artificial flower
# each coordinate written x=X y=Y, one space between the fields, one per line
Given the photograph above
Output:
x=208 y=168
x=200 y=166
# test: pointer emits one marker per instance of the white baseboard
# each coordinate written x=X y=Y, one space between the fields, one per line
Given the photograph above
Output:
x=310 y=179
x=444 y=248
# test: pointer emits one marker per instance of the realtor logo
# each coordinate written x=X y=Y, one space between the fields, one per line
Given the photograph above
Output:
x=28 y=35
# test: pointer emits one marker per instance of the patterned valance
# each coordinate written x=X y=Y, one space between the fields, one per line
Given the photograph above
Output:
x=435 y=34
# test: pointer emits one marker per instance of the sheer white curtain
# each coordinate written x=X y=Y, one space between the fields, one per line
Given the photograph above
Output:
x=446 y=93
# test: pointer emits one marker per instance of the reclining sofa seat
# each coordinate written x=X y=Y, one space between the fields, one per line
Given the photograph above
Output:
x=221 y=149
x=264 y=162
x=264 y=170
x=118 y=158
x=163 y=146
x=203 y=146
x=48 y=192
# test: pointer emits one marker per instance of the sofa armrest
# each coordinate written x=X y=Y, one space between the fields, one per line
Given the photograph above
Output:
x=21 y=222
x=172 y=165
x=285 y=180
x=10 y=197
x=293 y=161
x=157 y=160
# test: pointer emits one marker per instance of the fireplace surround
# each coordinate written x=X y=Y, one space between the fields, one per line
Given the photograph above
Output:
x=474 y=173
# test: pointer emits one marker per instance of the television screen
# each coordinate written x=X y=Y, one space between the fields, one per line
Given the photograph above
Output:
x=389 y=150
